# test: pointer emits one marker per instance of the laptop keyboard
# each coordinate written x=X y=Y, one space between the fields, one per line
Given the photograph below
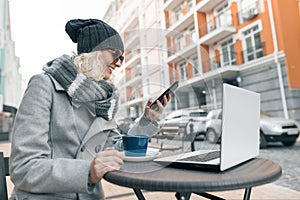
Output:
x=203 y=157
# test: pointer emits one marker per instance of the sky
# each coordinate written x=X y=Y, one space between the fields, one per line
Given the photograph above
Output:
x=38 y=29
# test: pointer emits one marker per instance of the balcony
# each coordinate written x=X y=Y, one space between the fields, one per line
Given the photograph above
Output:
x=216 y=29
x=220 y=61
x=176 y=24
x=132 y=39
x=129 y=16
x=171 y=4
x=132 y=58
x=207 y=5
x=135 y=94
x=220 y=66
x=230 y=59
x=182 y=48
x=133 y=76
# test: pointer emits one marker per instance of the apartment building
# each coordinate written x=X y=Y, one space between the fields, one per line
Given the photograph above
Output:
x=143 y=74
x=253 y=44
x=11 y=89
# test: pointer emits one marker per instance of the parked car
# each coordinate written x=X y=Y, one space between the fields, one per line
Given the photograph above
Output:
x=272 y=129
x=213 y=126
x=275 y=129
x=181 y=118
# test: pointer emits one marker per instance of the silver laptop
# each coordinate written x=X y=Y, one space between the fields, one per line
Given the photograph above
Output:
x=239 y=134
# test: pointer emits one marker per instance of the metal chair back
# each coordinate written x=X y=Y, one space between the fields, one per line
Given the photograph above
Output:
x=4 y=171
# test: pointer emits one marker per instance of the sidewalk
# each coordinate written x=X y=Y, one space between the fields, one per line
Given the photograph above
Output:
x=268 y=191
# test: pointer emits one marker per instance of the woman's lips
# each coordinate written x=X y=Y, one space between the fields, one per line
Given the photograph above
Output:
x=110 y=69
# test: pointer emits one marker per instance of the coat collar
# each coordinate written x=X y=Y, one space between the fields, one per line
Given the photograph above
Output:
x=57 y=86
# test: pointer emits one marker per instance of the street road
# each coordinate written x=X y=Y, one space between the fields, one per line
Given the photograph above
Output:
x=289 y=160
x=287 y=157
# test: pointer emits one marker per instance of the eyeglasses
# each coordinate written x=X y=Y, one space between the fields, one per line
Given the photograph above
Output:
x=117 y=55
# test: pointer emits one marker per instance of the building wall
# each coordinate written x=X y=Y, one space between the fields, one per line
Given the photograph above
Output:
x=140 y=24
x=287 y=20
x=260 y=74
x=264 y=80
x=11 y=80
x=3 y=16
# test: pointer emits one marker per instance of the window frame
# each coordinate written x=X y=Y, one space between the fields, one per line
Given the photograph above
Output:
x=242 y=37
x=183 y=73
x=228 y=43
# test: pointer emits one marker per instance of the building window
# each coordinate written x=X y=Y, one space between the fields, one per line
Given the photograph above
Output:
x=254 y=48
x=180 y=42
x=189 y=4
x=193 y=34
x=174 y=73
x=178 y=13
x=195 y=65
x=228 y=53
x=183 y=75
x=223 y=16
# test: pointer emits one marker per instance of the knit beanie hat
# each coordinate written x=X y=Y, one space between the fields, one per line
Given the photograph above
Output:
x=93 y=35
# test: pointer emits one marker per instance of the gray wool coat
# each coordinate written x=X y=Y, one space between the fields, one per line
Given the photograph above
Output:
x=54 y=142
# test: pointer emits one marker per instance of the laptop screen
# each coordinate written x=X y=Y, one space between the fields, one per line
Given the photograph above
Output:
x=240 y=125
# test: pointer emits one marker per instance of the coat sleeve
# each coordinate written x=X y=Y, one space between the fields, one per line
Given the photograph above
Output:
x=144 y=127
x=32 y=167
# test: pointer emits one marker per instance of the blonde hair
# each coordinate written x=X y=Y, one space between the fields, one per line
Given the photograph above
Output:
x=92 y=65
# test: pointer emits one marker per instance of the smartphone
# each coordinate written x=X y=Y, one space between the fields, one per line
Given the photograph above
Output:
x=172 y=88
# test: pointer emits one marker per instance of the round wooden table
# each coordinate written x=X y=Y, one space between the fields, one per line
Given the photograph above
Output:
x=156 y=177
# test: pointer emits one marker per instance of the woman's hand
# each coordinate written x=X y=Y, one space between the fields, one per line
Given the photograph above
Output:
x=105 y=161
x=153 y=114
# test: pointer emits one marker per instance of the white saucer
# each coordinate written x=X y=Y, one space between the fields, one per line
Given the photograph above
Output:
x=150 y=155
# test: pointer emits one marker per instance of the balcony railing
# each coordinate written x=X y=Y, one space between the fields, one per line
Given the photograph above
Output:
x=173 y=18
x=136 y=93
x=234 y=58
x=131 y=54
x=189 y=38
x=223 y=20
x=133 y=73
x=211 y=64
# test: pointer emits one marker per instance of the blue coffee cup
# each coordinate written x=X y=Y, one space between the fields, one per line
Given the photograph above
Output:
x=135 y=145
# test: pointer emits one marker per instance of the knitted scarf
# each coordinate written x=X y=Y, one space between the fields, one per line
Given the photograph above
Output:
x=100 y=96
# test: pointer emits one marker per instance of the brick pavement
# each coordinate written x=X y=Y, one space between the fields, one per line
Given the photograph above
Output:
x=267 y=191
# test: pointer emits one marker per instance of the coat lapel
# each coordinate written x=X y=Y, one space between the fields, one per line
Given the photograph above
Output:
x=95 y=138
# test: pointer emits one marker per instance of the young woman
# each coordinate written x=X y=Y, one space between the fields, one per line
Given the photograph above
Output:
x=63 y=138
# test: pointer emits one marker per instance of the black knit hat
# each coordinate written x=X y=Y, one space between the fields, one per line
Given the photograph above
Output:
x=93 y=35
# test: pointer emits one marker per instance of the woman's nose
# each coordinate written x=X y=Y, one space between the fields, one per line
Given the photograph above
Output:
x=118 y=63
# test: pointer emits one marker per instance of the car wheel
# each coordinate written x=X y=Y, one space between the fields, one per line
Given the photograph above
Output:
x=262 y=140
x=211 y=136
x=289 y=143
